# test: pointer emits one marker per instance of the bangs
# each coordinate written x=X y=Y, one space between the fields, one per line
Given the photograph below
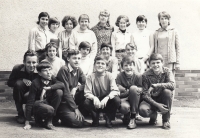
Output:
x=43 y=65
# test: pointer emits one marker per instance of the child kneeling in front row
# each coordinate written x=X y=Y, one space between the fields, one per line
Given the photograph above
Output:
x=130 y=85
x=44 y=97
x=102 y=93
x=158 y=83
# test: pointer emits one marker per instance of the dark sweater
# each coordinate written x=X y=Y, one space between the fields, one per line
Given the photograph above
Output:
x=124 y=83
x=70 y=81
x=19 y=73
x=36 y=90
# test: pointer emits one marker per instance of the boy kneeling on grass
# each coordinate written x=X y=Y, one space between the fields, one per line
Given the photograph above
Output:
x=130 y=86
x=102 y=93
x=44 y=97
x=158 y=83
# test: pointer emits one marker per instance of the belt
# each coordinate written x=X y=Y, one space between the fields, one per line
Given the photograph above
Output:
x=120 y=50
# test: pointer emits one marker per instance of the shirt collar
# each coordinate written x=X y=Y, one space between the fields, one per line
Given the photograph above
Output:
x=71 y=69
x=118 y=31
x=41 y=29
x=163 y=29
x=24 y=70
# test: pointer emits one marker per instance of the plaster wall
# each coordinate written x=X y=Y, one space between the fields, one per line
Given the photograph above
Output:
x=17 y=17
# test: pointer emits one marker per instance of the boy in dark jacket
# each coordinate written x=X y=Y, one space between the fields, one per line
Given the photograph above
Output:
x=130 y=85
x=44 y=97
x=20 y=79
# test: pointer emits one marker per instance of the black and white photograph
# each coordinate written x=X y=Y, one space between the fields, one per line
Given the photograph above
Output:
x=99 y=68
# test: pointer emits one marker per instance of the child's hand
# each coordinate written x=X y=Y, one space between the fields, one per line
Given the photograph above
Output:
x=27 y=82
x=47 y=88
x=27 y=125
x=96 y=102
x=104 y=102
x=73 y=92
x=150 y=90
x=42 y=95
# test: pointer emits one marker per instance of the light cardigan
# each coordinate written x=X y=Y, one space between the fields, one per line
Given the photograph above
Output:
x=89 y=36
x=38 y=38
x=173 y=44
x=68 y=41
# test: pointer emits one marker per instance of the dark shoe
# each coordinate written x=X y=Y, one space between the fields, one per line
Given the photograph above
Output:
x=108 y=121
x=153 y=118
x=95 y=119
x=152 y=122
x=20 y=119
x=166 y=125
x=126 y=119
x=132 y=124
x=55 y=121
x=95 y=124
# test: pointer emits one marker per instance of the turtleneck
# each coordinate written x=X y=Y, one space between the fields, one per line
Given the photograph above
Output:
x=123 y=31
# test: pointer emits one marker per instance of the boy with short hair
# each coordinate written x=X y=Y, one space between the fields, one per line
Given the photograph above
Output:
x=102 y=93
x=71 y=74
x=131 y=50
x=56 y=62
x=130 y=86
x=111 y=61
x=20 y=79
x=44 y=97
x=158 y=84
x=86 y=63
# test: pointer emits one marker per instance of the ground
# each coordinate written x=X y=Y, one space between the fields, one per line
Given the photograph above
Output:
x=185 y=122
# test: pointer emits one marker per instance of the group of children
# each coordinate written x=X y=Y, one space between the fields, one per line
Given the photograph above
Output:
x=89 y=72
x=57 y=90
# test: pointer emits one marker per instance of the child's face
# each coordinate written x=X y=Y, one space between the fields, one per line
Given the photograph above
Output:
x=43 y=21
x=54 y=27
x=128 y=68
x=74 y=60
x=69 y=25
x=103 y=19
x=51 y=52
x=156 y=65
x=46 y=73
x=164 y=21
x=31 y=63
x=130 y=51
x=84 y=51
x=84 y=24
x=105 y=51
x=122 y=24
x=100 y=66
x=141 y=25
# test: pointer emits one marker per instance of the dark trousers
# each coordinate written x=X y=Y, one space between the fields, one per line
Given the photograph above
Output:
x=20 y=94
x=165 y=97
x=67 y=115
x=47 y=108
x=131 y=105
x=110 y=109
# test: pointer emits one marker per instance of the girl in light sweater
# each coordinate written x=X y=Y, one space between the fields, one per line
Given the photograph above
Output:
x=56 y=62
x=85 y=34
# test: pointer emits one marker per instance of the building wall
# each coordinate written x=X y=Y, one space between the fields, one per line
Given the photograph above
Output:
x=19 y=16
